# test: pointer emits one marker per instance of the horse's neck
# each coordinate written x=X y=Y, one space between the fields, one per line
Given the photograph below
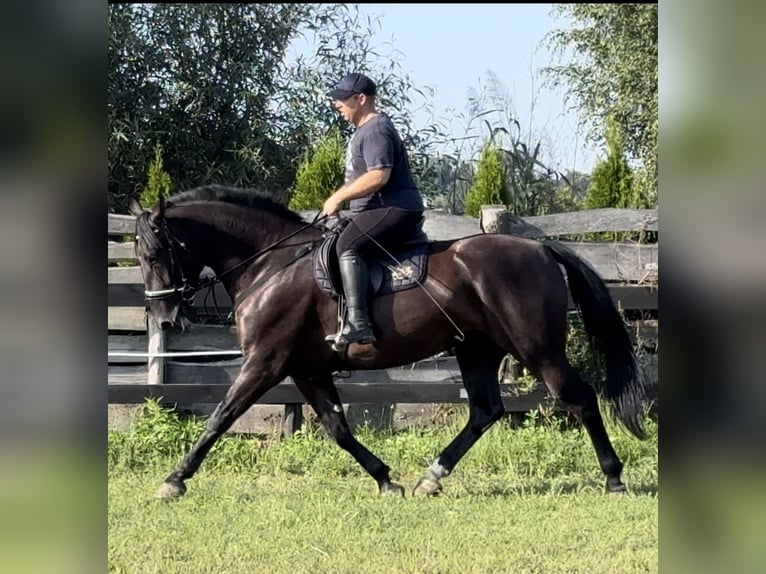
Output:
x=230 y=254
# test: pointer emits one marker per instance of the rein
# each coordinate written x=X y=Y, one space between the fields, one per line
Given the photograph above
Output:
x=188 y=291
x=216 y=279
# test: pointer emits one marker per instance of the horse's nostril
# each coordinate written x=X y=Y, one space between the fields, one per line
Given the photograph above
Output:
x=165 y=325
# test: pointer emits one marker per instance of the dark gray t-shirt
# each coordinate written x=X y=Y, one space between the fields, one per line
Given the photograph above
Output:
x=376 y=144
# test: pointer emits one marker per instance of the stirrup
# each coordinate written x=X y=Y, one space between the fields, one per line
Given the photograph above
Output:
x=337 y=341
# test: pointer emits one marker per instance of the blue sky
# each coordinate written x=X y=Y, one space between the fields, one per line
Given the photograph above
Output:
x=450 y=47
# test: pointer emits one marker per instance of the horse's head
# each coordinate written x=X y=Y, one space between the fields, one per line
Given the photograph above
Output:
x=170 y=273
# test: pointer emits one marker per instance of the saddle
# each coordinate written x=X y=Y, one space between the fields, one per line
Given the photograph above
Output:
x=386 y=275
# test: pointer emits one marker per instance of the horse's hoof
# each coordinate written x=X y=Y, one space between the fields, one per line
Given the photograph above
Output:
x=392 y=489
x=170 y=490
x=615 y=486
x=427 y=486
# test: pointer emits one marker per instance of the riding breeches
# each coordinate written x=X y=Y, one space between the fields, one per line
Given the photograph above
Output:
x=388 y=226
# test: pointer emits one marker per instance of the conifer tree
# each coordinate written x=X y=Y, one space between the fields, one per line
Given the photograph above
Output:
x=489 y=186
x=158 y=182
x=611 y=182
x=319 y=174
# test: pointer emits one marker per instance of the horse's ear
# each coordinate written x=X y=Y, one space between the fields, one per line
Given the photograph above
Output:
x=135 y=207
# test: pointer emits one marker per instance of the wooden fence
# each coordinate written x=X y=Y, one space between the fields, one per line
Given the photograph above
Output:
x=211 y=360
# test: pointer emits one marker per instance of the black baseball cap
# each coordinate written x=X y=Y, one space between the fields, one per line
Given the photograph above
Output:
x=352 y=84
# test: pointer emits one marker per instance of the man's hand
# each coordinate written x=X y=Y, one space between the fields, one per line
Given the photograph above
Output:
x=332 y=205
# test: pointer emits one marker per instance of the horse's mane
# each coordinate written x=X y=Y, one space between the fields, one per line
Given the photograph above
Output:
x=246 y=197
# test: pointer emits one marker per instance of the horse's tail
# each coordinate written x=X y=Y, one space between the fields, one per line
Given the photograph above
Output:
x=609 y=339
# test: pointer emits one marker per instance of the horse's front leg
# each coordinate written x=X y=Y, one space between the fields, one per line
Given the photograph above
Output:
x=252 y=382
x=322 y=395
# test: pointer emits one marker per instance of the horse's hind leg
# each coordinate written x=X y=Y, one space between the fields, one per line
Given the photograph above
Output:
x=322 y=395
x=253 y=381
x=565 y=383
x=479 y=359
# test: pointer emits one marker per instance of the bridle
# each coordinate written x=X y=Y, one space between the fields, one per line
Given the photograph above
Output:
x=187 y=290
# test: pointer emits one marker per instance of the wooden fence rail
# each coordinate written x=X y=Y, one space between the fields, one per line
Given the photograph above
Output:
x=630 y=269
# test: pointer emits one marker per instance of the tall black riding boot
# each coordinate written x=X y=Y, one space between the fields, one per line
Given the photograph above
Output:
x=353 y=272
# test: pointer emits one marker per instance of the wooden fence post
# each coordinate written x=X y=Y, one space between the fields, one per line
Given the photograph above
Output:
x=156 y=365
x=293 y=419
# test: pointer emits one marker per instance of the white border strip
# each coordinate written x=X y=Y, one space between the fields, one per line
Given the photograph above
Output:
x=185 y=354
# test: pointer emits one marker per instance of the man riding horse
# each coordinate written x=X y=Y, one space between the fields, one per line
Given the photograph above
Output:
x=385 y=202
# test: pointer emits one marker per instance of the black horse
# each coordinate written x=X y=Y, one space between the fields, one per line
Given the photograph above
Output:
x=501 y=294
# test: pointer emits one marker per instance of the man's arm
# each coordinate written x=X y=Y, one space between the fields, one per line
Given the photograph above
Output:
x=366 y=184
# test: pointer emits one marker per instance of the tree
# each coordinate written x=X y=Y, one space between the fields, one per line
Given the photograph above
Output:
x=612 y=181
x=158 y=182
x=489 y=186
x=613 y=73
x=131 y=97
x=196 y=78
x=343 y=41
x=319 y=174
x=213 y=84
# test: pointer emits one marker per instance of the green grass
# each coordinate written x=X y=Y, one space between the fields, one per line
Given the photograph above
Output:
x=523 y=500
